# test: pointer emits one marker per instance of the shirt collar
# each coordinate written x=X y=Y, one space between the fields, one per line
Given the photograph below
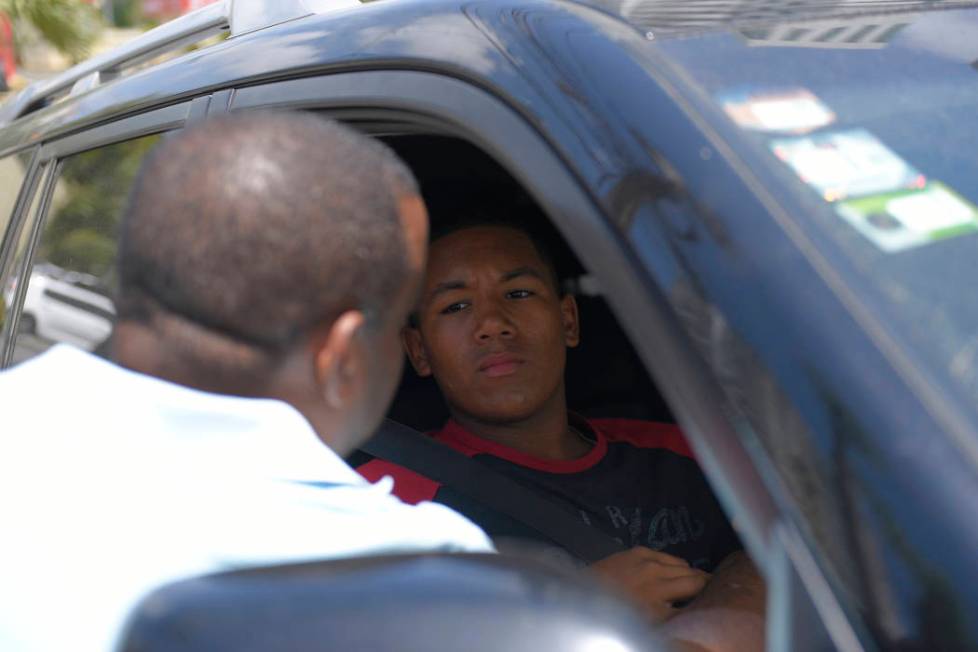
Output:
x=462 y=440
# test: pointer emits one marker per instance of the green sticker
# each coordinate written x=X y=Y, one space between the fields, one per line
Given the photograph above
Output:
x=902 y=219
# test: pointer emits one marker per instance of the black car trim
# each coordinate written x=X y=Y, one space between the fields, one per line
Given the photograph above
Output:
x=18 y=216
x=799 y=594
x=24 y=195
x=198 y=109
x=145 y=124
x=31 y=222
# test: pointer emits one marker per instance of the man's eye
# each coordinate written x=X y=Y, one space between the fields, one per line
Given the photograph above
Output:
x=518 y=294
x=458 y=306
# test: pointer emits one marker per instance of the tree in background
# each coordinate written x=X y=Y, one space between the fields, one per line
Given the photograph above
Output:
x=127 y=13
x=71 y=26
x=82 y=229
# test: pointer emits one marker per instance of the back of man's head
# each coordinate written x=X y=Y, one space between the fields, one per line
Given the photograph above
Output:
x=245 y=234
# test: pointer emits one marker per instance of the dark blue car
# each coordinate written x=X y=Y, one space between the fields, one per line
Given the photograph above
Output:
x=771 y=207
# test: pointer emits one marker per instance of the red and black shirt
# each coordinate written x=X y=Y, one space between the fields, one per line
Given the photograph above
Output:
x=638 y=484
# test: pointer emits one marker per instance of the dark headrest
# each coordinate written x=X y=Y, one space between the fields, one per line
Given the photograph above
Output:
x=429 y=603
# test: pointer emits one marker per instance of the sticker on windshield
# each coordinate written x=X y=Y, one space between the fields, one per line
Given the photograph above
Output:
x=844 y=164
x=795 y=111
x=909 y=218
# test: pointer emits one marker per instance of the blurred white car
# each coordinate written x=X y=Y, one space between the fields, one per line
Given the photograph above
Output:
x=59 y=307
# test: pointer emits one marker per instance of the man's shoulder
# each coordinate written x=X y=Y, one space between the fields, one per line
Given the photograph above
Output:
x=62 y=358
x=643 y=434
x=63 y=375
x=51 y=387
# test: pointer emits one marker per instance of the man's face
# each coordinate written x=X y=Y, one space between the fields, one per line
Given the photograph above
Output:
x=492 y=327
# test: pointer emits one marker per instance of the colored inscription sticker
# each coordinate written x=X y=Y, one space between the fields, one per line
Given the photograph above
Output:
x=909 y=218
x=849 y=163
x=794 y=111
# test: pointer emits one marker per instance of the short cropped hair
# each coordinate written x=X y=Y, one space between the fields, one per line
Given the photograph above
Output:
x=529 y=223
x=258 y=227
x=447 y=219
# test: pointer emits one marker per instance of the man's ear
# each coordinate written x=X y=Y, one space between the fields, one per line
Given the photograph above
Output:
x=416 y=353
x=569 y=320
x=340 y=365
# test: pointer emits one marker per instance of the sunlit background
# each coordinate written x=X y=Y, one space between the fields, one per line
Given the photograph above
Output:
x=39 y=38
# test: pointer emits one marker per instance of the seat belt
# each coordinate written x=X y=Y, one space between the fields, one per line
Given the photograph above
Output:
x=411 y=449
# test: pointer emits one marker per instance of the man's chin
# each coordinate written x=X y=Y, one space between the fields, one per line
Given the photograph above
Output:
x=504 y=403
x=503 y=415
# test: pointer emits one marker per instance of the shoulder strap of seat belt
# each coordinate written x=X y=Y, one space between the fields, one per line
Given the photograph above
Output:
x=411 y=449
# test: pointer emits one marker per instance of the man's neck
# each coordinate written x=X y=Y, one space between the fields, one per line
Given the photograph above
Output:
x=139 y=348
x=144 y=349
x=546 y=434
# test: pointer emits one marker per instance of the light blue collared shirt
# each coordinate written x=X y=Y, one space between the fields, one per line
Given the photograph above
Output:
x=114 y=482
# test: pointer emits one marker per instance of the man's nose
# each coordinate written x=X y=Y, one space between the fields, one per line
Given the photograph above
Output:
x=493 y=323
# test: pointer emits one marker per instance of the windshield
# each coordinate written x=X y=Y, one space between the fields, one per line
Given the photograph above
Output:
x=874 y=121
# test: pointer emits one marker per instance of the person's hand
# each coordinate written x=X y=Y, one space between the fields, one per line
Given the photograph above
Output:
x=727 y=616
x=653 y=579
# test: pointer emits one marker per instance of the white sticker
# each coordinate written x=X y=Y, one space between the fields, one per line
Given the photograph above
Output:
x=930 y=210
x=848 y=163
x=910 y=218
x=794 y=111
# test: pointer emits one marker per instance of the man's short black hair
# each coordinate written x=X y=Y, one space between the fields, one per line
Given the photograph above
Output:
x=258 y=227
x=448 y=217
x=528 y=221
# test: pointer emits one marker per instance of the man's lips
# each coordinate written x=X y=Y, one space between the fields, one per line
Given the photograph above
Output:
x=500 y=364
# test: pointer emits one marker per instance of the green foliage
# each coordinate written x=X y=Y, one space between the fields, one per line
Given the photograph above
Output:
x=81 y=232
x=84 y=250
x=126 y=13
x=71 y=26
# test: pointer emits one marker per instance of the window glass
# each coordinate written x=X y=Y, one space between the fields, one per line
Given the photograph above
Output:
x=13 y=169
x=69 y=293
x=8 y=276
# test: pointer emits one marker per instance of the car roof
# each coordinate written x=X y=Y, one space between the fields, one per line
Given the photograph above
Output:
x=658 y=18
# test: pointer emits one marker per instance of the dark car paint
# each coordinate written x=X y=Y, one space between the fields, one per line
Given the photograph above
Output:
x=866 y=464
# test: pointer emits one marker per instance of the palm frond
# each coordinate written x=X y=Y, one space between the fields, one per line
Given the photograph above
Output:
x=71 y=26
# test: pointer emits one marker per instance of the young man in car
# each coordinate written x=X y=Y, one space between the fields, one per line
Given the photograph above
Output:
x=492 y=327
x=266 y=266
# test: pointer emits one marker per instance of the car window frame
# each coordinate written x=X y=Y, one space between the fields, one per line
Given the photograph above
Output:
x=799 y=596
x=53 y=153
x=454 y=107
x=39 y=203
x=28 y=187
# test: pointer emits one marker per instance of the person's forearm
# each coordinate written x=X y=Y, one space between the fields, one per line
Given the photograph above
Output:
x=727 y=615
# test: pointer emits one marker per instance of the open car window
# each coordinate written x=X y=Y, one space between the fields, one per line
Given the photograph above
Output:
x=605 y=377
